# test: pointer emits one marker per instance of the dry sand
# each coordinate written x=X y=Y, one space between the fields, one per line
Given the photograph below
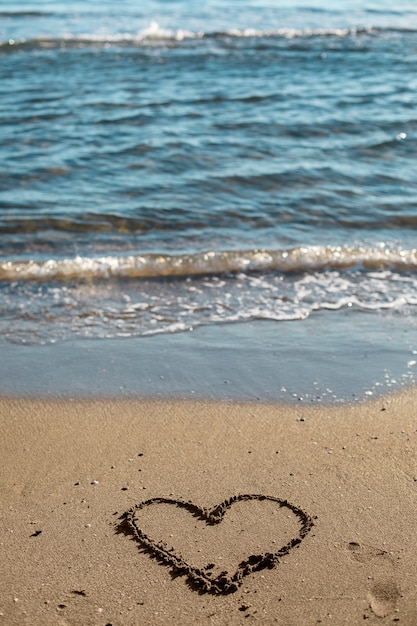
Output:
x=71 y=470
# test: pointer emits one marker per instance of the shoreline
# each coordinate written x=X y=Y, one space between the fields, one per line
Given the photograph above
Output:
x=72 y=469
x=327 y=358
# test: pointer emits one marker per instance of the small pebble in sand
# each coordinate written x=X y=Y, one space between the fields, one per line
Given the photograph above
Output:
x=94 y=482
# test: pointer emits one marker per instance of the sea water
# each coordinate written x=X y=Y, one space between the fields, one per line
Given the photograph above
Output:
x=170 y=166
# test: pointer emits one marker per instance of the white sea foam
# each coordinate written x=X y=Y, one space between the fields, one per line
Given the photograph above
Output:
x=146 y=295
x=155 y=33
x=302 y=259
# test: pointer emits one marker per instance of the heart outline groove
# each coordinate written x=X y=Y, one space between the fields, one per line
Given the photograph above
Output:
x=200 y=578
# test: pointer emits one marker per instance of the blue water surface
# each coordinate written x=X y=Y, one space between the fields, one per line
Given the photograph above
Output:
x=169 y=165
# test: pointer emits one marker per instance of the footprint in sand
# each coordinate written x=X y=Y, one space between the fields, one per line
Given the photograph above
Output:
x=383 y=598
x=384 y=594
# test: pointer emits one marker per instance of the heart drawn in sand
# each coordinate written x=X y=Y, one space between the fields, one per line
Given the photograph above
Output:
x=205 y=577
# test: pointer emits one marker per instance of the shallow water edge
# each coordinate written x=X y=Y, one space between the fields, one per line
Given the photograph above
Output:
x=327 y=358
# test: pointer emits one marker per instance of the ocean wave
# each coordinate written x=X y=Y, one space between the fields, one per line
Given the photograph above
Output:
x=155 y=34
x=36 y=312
x=23 y=14
x=296 y=260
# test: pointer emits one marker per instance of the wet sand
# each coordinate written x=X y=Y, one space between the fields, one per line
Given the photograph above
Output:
x=326 y=358
x=333 y=542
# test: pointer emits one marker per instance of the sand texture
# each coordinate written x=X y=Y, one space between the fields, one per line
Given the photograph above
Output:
x=132 y=512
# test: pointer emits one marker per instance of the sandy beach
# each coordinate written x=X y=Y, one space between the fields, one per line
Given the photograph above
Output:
x=333 y=542
x=208 y=313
